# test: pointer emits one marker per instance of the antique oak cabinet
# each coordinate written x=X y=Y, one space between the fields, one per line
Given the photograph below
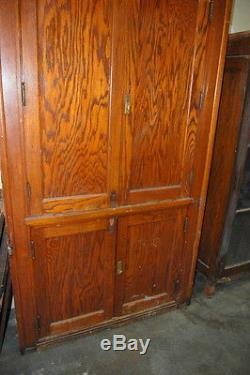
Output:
x=108 y=114
x=225 y=239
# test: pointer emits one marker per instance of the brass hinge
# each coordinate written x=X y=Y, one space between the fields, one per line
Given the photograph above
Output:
x=119 y=267
x=38 y=323
x=23 y=93
x=211 y=10
x=112 y=225
x=113 y=199
x=32 y=250
x=10 y=247
x=186 y=224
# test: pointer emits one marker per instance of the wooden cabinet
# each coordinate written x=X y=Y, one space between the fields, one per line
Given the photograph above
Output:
x=150 y=250
x=225 y=242
x=74 y=264
x=108 y=116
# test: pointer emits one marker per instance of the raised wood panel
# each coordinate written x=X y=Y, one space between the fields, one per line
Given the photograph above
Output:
x=159 y=70
x=70 y=144
x=74 y=274
x=73 y=61
x=149 y=247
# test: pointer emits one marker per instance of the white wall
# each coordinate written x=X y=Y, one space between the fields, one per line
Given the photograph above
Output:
x=240 y=20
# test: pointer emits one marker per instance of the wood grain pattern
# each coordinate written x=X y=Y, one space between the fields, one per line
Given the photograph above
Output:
x=76 y=272
x=159 y=53
x=72 y=217
x=74 y=75
x=75 y=203
x=228 y=163
x=147 y=247
x=13 y=172
x=239 y=44
x=228 y=127
x=71 y=145
x=216 y=41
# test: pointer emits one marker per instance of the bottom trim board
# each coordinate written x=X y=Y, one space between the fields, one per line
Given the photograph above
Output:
x=120 y=320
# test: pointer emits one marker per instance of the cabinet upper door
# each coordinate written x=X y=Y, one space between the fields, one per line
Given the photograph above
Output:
x=111 y=95
x=66 y=63
x=163 y=46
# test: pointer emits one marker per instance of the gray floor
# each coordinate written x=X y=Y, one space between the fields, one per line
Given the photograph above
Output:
x=211 y=336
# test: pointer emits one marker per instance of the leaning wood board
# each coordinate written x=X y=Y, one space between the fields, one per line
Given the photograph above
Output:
x=108 y=113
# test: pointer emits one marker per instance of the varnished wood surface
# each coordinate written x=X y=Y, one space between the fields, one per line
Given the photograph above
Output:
x=239 y=44
x=227 y=135
x=13 y=173
x=158 y=138
x=80 y=112
x=71 y=217
x=227 y=167
x=67 y=125
x=216 y=40
x=160 y=44
x=115 y=322
x=147 y=248
x=76 y=271
x=74 y=72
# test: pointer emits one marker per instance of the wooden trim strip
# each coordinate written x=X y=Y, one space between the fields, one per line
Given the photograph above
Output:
x=75 y=323
x=46 y=220
x=236 y=269
x=75 y=203
x=223 y=8
x=47 y=341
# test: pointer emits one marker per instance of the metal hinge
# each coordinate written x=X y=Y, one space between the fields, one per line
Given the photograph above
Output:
x=112 y=225
x=119 y=267
x=23 y=93
x=38 y=323
x=10 y=247
x=186 y=224
x=211 y=10
x=32 y=250
x=113 y=199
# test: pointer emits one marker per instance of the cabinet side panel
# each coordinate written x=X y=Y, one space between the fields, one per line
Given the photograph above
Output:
x=13 y=173
x=220 y=183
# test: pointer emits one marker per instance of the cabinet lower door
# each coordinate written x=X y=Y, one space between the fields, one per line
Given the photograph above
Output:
x=74 y=275
x=149 y=260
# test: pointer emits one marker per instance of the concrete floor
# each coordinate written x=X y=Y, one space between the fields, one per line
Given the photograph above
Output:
x=211 y=336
